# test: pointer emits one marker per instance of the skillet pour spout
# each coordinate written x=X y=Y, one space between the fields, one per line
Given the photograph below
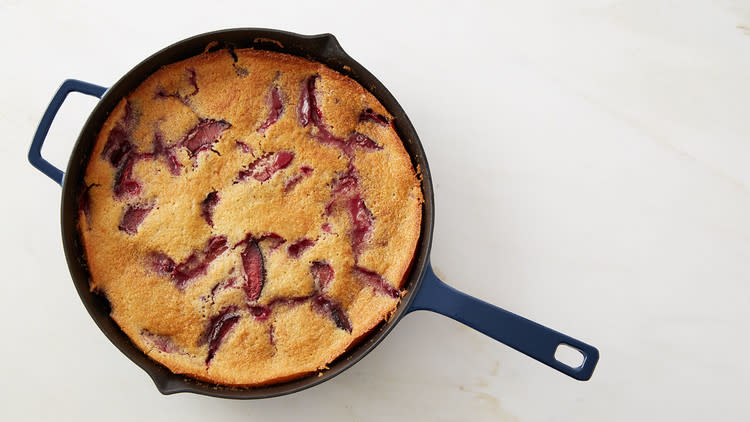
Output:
x=424 y=290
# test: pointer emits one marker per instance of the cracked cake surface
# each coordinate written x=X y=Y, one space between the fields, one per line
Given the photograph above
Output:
x=249 y=215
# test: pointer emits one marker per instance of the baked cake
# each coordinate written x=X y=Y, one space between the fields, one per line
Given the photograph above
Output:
x=249 y=215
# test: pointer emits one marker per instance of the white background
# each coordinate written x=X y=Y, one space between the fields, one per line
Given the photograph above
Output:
x=591 y=165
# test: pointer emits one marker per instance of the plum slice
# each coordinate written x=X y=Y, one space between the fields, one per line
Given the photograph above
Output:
x=307 y=108
x=299 y=247
x=325 y=137
x=322 y=273
x=161 y=263
x=223 y=285
x=219 y=287
x=288 y=301
x=195 y=265
x=260 y=312
x=133 y=217
x=118 y=145
x=84 y=203
x=368 y=115
x=122 y=154
x=266 y=166
x=243 y=146
x=161 y=93
x=208 y=205
x=305 y=171
x=363 y=141
x=277 y=109
x=160 y=149
x=346 y=184
x=173 y=164
x=193 y=80
x=204 y=135
x=271 y=241
x=376 y=281
x=125 y=184
x=346 y=194
x=218 y=327
x=308 y=113
x=346 y=145
x=253 y=271
x=327 y=306
x=362 y=222
x=291 y=183
x=161 y=342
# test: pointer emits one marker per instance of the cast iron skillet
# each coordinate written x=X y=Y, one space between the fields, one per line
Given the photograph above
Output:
x=425 y=290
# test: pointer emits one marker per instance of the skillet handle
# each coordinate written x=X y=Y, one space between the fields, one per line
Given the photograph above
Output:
x=528 y=337
x=35 y=152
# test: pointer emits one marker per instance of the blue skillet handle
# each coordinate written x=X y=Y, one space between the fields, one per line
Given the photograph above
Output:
x=526 y=336
x=35 y=152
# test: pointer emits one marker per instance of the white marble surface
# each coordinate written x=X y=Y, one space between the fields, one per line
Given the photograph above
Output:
x=591 y=168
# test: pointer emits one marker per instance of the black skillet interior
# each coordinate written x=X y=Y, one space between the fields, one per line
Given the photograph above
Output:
x=321 y=48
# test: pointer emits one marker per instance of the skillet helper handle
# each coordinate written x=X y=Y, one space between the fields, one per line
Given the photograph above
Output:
x=528 y=337
x=35 y=152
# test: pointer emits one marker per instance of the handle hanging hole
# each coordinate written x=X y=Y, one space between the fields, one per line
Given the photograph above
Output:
x=569 y=355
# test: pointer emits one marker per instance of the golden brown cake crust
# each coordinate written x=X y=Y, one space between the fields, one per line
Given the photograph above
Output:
x=249 y=216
